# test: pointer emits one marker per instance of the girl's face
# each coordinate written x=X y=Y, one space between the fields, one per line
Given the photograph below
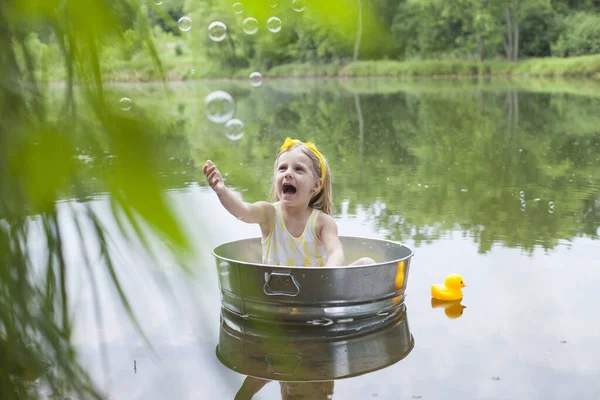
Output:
x=295 y=180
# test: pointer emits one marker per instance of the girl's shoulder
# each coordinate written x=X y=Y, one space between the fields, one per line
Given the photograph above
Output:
x=324 y=220
x=269 y=213
x=269 y=208
x=325 y=226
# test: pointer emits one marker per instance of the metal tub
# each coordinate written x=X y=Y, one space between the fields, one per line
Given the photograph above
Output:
x=313 y=295
x=322 y=354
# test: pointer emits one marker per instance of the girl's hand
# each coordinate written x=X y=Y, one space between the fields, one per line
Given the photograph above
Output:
x=213 y=177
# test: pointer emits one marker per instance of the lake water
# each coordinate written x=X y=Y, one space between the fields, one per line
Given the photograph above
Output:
x=497 y=181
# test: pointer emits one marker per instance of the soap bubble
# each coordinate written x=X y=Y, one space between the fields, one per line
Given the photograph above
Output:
x=238 y=8
x=217 y=31
x=273 y=3
x=250 y=25
x=522 y=194
x=256 y=79
x=219 y=106
x=234 y=129
x=185 y=23
x=551 y=207
x=125 y=104
x=298 y=5
x=158 y=2
x=523 y=205
x=274 y=24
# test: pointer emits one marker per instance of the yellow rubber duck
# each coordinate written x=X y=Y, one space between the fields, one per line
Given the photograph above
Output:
x=450 y=290
x=452 y=308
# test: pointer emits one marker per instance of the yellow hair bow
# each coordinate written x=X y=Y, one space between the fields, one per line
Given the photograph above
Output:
x=293 y=142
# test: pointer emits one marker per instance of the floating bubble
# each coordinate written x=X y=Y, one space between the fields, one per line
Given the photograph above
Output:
x=219 y=106
x=274 y=24
x=125 y=104
x=523 y=205
x=234 y=129
x=522 y=194
x=238 y=8
x=256 y=79
x=551 y=207
x=298 y=5
x=217 y=31
x=192 y=71
x=158 y=2
x=273 y=3
x=185 y=23
x=250 y=25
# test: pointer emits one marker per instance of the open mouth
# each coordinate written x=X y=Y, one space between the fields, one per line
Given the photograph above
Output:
x=288 y=189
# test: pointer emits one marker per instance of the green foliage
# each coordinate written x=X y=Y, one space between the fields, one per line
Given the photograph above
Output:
x=43 y=139
x=409 y=30
x=539 y=30
x=580 y=35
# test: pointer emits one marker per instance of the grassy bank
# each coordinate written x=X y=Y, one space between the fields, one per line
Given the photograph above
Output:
x=184 y=68
x=574 y=67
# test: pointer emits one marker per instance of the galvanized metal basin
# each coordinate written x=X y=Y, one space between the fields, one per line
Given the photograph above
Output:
x=313 y=295
x=322 y=354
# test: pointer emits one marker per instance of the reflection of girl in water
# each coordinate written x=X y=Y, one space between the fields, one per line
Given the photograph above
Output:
x=289 y=390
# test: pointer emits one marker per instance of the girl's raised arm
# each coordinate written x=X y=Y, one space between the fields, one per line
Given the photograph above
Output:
x=255 y=213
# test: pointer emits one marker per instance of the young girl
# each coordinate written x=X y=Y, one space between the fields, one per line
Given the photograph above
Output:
x=297 y=226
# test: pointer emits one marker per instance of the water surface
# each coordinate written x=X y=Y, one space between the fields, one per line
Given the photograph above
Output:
x=497 y=181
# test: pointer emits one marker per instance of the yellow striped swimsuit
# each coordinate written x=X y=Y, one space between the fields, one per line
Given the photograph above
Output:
x=281 y=248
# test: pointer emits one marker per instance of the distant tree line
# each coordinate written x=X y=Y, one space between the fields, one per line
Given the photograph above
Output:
x=354 y=29
x=421 y=29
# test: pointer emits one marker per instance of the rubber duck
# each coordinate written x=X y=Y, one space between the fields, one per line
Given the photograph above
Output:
x=450 y=290
x=452 y=308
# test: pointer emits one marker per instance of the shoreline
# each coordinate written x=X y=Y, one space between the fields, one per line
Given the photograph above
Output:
x=144 y=71
x=401 y=78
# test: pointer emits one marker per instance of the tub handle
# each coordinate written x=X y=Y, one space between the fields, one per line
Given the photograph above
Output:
x=289 y=278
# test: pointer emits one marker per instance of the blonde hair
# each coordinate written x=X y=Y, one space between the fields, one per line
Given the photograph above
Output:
x=322 y=200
